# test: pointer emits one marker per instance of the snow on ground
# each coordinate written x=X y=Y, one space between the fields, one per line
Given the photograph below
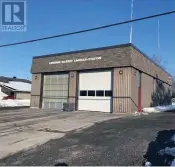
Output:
x=173 y=163
x=159 y=109
x=168 y=151
x=14 y=103
x=148 y=164
x=173 y=139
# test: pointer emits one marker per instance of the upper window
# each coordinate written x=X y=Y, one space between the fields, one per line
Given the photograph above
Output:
x=91 y=92
x=108 y=92
x=99 y=92
x=83 y=93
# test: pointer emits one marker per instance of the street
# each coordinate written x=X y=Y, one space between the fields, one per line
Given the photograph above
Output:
x=122 y=141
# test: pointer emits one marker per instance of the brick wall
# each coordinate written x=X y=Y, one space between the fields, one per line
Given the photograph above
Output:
x=113 y=57
x=146 y=65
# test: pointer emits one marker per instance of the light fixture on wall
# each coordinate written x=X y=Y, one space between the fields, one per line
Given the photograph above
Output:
x=72 y=74
x=121 y=72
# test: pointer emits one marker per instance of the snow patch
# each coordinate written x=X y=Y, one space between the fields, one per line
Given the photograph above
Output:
x=173 y=163
x=14 y=103
x=148 y=164
x=168 y=151
x=173 y=138
x=159 y=109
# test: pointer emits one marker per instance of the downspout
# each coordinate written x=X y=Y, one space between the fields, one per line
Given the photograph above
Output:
x=139 y=91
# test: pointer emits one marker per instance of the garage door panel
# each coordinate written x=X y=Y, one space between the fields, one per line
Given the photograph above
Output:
x=55 y=87
x=95 y=105
x=102 y=80
x=93 y=98
x=55 y=90
x=97 y=83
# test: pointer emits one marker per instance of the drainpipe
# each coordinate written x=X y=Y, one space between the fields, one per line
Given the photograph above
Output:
x=139 y=91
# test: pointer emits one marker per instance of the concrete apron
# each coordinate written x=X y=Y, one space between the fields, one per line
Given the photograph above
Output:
x=22 y=135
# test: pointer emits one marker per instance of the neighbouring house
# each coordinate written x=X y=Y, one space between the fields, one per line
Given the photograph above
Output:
x=14 y=88
x=118 y=78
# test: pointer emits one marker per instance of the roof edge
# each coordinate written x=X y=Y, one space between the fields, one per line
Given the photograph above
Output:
x=83 y=50
x=146 y=56
x=7 y=87
x=23 y=91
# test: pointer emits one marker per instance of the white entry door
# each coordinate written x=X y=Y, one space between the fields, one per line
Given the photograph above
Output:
x=95 y=91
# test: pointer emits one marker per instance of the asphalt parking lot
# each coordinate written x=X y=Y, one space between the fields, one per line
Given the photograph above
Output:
x=23 y=129
x=123 y=141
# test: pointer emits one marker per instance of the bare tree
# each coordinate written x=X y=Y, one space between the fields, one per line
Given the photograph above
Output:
x=158 y=60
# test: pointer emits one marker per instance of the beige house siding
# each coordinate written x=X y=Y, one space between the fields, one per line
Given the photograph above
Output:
x=22 y=95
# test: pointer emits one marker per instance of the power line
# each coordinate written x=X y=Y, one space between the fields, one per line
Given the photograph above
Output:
x=87 y=30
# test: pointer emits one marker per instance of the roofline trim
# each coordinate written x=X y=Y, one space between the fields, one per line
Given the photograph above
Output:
x=82 y=51
x=22 y=91
x=146 y=56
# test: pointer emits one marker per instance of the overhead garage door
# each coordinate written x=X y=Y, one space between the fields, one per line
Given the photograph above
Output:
x=95 y=91
x=55 y=90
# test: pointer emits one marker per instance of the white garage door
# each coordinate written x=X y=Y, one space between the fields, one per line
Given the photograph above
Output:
x=95 y=91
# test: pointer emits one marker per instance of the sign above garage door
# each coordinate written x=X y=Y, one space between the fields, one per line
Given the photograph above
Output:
x=75 y=60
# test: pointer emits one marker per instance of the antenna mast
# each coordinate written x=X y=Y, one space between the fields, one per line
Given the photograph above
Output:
x=132 y=6
x=158 y=34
